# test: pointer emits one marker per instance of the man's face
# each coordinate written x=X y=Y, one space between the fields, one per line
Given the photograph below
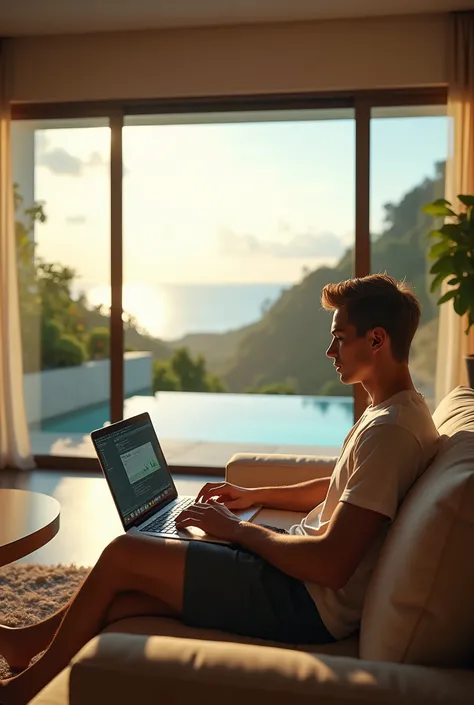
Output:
x=353 y=355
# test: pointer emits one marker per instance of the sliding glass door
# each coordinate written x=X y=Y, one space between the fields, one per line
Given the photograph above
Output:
x=408 y=160
x=172 y=261
x=62 y=212
x=231 y=225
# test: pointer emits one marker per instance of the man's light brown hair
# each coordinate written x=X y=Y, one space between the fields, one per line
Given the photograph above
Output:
x=378 y=300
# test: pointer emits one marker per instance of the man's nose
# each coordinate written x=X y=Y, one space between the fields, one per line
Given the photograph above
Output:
x=330 y=352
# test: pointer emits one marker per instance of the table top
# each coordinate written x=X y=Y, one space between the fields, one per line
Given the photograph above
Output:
x=28 y=520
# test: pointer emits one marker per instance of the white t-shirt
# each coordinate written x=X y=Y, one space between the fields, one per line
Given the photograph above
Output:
x=382 y=456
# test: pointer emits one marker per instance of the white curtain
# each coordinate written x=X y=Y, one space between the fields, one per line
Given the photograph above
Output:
x=14 y=437
x=453 y=344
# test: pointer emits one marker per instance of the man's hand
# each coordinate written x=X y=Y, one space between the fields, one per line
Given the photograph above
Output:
x=212 y=517
x=232 y=496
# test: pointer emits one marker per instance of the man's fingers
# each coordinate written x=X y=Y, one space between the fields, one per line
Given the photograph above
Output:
x=192 y=511
x=204 y=490
x=210 y=491
x=190 y=521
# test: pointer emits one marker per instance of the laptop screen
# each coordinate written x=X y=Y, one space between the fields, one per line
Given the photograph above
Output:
x=133 y=462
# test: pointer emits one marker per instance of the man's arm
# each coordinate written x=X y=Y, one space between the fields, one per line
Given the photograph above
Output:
x=299 y=498
x=329 y=560
x=302 y=497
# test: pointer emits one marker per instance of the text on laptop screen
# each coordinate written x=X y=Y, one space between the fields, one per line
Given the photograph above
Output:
x=136 y=469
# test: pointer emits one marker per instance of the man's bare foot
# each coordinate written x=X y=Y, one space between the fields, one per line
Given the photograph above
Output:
x=18 y=646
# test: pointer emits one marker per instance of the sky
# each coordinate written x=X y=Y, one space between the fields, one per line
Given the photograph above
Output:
x=221 y=203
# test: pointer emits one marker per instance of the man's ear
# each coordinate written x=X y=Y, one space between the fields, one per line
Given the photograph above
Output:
x=379 y=336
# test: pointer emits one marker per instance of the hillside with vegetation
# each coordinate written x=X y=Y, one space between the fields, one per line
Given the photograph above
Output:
x=289 y=342
x=59 y=329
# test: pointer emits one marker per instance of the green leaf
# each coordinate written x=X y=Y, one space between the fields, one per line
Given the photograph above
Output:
x=466 y=200
x=438 y=208
x=470 y=322
x=461 y=305
x=452 y=281
x=435 y=233
x=445 y=265
x=462 y=262
x=437 y=281
x=464 y=299
x=440 y=248
x=447 y=296
x=440 y=202
x=453 y=232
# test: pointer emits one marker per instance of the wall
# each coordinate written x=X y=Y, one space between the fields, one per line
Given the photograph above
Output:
x=55 y=392
x=334 y=55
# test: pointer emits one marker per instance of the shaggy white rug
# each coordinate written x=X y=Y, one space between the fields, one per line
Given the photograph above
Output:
x=30 y=592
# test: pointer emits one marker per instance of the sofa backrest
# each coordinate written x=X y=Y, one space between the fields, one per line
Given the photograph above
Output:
x=420 y=603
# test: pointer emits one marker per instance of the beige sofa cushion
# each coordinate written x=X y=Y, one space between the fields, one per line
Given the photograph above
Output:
x=274 y=469
x=118 y=669
x=420 y=603
x=455 y=412
x=165 y=626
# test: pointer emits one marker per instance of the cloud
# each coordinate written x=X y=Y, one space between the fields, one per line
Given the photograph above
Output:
x=76 y=219
x=59 y=161
x=95 y=159
x=304 y=245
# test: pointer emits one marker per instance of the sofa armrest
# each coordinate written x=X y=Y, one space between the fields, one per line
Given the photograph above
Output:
x=120 y=669
x=272 y=470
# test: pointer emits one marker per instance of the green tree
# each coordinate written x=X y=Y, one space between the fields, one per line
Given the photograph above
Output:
x=191 y=373
x=215 y=384
x=67 y=352
x=183 y=373
x=52 y=326
x=164 y=379
x=98 y=343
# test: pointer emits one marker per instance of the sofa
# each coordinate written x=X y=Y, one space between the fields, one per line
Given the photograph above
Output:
x=416 y=641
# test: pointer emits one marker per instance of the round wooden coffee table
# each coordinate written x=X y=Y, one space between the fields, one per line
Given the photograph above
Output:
x=28 y=520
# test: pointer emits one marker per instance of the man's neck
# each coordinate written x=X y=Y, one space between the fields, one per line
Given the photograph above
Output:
x=384 y=385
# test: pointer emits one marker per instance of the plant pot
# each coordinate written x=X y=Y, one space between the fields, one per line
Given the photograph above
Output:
x=470 y=369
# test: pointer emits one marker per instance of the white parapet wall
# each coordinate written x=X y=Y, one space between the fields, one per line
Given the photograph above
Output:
x=52 y=393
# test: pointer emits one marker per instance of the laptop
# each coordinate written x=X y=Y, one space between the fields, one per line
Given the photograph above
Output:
x=140 y=481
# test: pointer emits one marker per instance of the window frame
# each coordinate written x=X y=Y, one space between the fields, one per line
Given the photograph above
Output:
x=362 y=102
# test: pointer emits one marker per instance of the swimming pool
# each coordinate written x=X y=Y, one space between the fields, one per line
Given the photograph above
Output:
x=228 y=418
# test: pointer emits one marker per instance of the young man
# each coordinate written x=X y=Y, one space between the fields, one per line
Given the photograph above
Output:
x=307 y=586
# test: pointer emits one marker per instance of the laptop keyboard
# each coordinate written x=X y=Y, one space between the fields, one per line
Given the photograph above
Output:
x=165 y=523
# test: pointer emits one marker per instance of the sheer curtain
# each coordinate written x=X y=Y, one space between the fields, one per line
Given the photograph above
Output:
x=453 y=344
x=14 y=437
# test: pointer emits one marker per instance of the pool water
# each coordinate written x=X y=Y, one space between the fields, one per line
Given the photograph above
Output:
x=228 y=418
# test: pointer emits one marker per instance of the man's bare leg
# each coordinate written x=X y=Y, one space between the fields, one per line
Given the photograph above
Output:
x=18 y=645
x=129 y=563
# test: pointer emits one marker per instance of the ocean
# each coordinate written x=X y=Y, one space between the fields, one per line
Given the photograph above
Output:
x=213 y=308
x=170 y=311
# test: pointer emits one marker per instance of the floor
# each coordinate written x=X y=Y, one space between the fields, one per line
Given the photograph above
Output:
x=89 y=520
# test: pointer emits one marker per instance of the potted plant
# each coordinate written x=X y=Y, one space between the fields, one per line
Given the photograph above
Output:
x=454 y=260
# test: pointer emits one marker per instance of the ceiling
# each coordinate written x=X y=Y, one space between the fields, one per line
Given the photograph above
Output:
x=40 y=17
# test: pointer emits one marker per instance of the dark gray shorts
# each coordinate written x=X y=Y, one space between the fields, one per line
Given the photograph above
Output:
x=228 y=588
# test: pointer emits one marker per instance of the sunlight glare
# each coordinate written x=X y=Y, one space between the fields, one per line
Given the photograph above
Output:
x=144 y=303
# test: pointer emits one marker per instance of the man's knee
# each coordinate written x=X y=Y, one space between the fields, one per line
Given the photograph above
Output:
x=118 y=551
